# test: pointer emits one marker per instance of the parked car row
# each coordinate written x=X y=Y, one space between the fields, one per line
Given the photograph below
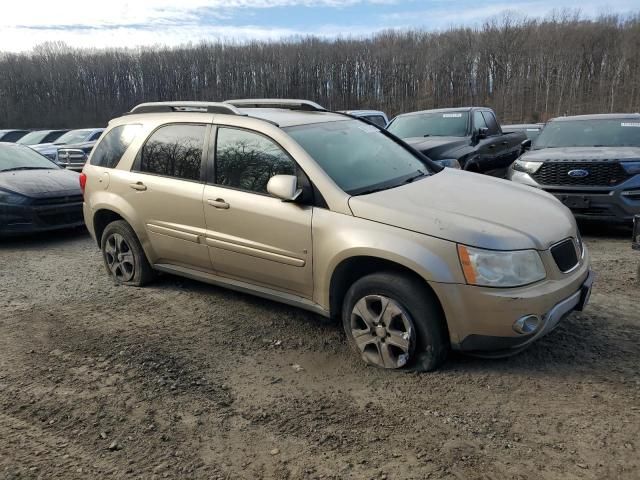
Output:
x=67 y=148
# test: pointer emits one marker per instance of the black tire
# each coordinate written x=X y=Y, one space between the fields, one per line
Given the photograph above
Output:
x=430 y=343
x=141 y=272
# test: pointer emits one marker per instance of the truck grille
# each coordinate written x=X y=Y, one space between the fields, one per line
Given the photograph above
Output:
x=599 y=174
x=71 y=156
x=565 y=255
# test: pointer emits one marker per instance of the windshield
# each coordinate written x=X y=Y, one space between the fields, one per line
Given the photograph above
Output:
x=13 y=157
x=589 y=133
x=33 y=138
x=74 y=136
x=443 y=124
x=357 y=156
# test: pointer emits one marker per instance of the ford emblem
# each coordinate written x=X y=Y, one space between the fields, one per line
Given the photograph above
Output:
x=579 y=173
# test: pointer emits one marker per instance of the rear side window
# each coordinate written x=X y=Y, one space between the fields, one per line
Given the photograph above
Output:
x=174 y=151
x=110 y=150
x=247 y=160
x=95 y=136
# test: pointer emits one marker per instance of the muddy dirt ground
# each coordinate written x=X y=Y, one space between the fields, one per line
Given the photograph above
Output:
x=185 y=380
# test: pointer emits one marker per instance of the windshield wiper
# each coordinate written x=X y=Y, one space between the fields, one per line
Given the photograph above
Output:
x=426 y=135
x=25 y=168
x=420 y=174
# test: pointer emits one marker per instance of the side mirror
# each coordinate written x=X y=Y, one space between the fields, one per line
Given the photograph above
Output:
x=284 y=187
x=526 y=145
x=482 y=133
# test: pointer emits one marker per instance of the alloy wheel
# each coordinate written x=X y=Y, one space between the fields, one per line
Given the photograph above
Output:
x=119 y=257
x=383 y=331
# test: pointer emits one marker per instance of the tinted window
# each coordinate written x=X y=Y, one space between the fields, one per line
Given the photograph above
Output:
x=74 y=136
x=53 y=136
x=436 y=124
x=590 y=133
x=95 y=136
x=110 y=150
x=174 y=151
x=13 y=136
x=377 y=119
x=248 y=160
x=478 y=120
x=16 y=157
x=33 y=138
x=357 y=156
x=492 y=124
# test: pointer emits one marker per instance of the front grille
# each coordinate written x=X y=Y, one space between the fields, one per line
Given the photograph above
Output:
x=66 y=155
x=600 y=174
x=565 y=255
x=58 y=200
x=65 y=217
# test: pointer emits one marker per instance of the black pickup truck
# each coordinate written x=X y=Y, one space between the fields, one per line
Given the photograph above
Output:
x=469 y=138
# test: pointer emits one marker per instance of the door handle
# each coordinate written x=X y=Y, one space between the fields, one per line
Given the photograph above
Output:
x=218 y=203
x=141 y=187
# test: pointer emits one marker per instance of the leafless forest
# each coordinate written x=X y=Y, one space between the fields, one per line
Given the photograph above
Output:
x=527 y=70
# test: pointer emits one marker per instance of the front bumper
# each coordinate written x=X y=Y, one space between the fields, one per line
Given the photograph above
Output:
x=481 y=319
x=23 y=219
x=611 y=204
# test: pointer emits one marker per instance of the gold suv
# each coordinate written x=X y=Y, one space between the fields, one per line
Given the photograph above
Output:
x=331 y=213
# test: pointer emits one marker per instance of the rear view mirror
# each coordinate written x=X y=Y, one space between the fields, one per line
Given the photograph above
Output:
x=284 y=187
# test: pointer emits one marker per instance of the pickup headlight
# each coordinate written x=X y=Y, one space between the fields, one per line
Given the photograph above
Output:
x=527 y=167
x=631 y=167
x=490 y=268
x=449 y=163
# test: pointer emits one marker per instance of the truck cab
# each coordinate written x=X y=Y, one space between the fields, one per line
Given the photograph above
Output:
x=469 y=138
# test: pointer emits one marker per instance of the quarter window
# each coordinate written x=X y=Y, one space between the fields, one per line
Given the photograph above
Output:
x=112 y=147
x=174 y=151
x=247 y=160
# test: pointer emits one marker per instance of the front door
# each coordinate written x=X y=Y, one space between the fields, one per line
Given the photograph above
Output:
x=252 y=236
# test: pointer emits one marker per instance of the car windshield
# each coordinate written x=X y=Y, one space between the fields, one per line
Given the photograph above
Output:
x=358 y=156
x=74 y=136
x=442 y=124
x=14 y=157
x=589 y=133
x=33 y=138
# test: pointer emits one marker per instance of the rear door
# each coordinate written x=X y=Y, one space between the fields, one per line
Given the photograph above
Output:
x=251 y=235
x=165 y=188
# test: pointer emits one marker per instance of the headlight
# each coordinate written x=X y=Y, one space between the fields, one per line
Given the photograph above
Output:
x=527 y=167
x=9 y=198
x=631 y=167
x=449 y=163
x=489 y=268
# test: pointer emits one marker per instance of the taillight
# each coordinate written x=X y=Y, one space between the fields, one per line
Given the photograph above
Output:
x=83 y=182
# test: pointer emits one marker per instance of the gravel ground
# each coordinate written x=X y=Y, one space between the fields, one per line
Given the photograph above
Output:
x=185 y=380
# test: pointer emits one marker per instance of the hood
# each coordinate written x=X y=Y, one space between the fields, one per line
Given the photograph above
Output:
x=582 y=153
x=41 y=183
x=437 y=148
x=472 y=209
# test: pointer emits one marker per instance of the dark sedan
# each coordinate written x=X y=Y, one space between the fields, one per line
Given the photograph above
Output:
x=35 y=194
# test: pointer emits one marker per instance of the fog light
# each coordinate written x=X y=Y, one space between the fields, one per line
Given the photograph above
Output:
x=527 y=324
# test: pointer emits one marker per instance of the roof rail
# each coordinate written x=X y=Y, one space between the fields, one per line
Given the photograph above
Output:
x=206 y=107
x=286 y=104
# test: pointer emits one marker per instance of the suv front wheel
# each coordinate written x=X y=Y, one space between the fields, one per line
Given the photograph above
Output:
x=393 y=321
x=123 y=255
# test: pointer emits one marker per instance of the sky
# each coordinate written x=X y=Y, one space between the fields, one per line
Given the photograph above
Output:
x=131 y=23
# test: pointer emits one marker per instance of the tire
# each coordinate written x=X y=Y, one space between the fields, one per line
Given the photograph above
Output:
x=123 y=256
x=409 y=332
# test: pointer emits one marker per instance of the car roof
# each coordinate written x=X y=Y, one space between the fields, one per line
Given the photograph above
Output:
x=443 y=110
x=523 y=125
x=599 y=116
x=364 y=112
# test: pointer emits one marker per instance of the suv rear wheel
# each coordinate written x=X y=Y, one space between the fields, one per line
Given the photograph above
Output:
x=123 y=255
x=392 y=321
